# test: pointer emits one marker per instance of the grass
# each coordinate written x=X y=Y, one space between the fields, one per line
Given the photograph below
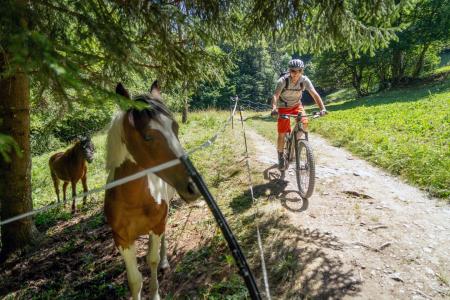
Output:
x=82 y=263
x=405 y=131
x=340 y=95
x=442 y=278
x=444 y=69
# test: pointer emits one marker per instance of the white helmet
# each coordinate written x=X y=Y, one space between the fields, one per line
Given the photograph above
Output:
x=296 y=64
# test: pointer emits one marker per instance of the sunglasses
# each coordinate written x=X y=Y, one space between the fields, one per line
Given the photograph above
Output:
x=295 y=71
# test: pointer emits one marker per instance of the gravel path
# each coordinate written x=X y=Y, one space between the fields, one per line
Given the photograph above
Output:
x=392 y=237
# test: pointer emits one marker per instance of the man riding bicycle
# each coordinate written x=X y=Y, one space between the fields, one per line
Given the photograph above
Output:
x=287 y=98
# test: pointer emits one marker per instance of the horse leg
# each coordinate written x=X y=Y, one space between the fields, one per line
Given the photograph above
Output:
x=65 y=184
x=56 y=185
x=133 y=274
x=164 y=263
x=74 y=193
x=85 y=187
x=153 y=259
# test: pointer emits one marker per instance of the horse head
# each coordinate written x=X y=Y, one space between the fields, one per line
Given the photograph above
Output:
x=151 y=137
x=88 y=148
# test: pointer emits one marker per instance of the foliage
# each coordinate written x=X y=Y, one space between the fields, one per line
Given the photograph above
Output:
x=78 y=50
x=75 y=51
x=368 y=74
x=83 y=122
x=252 y=78
x=429 y=22
x=445 y=57
x=7 y=145
x=425 y=30
x=314 y=26
x=51 y=131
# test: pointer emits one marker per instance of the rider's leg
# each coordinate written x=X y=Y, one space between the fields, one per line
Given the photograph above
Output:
x=280 y=146
x=304 y=122
x=280 y=141
x=283 y=127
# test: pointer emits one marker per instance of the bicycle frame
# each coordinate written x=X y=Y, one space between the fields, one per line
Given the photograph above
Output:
x=297 y=128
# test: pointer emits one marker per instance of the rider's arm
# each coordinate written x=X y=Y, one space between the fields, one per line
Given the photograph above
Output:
x=317 y=98
x=276 y=95
x=275 y=98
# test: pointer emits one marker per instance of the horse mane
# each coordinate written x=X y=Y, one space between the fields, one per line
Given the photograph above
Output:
x=116 y=150
x=70 y=151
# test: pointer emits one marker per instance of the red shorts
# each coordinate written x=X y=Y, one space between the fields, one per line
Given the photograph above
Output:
x=284 y=125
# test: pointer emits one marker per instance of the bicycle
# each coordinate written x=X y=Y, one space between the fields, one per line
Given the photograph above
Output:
x=304 y=159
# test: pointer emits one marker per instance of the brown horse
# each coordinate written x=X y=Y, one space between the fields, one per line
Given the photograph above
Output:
x=70 y=166
x=137 y=140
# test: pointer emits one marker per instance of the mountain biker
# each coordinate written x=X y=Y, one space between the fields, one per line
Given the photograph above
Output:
x=287 y=98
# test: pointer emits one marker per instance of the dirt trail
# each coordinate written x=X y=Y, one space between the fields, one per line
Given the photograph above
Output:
x=392 y=236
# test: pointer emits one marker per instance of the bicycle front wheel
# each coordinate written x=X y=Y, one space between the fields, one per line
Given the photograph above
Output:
x=304 y=168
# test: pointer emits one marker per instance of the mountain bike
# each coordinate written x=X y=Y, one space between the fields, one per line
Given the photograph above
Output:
x=296 y=146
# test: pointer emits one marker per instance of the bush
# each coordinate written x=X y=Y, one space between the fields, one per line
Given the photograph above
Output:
x=83 y=121
x=49 y=131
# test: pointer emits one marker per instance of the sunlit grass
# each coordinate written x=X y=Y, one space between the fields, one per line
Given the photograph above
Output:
x=443 y=69
x=341 y=95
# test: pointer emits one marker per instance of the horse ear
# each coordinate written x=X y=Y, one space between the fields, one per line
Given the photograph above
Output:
x=121 y=90
x=131 y=118
x=155 y=89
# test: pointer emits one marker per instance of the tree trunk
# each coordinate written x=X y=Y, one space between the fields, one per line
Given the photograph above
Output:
x=184 y=114
x=419 y=63
x=381 y=71
x=185 y=111
x=397 y=66
x=356 y=81
x=15 y=175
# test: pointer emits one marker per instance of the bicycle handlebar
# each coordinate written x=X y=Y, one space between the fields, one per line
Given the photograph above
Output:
x=299 y=115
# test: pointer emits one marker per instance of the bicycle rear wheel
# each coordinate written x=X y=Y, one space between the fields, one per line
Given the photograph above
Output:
x=305 y=170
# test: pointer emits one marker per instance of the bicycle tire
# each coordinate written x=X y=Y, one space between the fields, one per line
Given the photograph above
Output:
x=304 y=168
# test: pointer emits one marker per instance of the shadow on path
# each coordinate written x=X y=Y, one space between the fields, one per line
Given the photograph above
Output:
x=301 y=263
x=275 y=188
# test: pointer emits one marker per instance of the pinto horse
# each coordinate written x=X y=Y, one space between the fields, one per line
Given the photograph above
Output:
x=70 y=166
x=137 y=140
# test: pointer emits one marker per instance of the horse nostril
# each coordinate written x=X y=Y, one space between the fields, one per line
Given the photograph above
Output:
x=191 y=188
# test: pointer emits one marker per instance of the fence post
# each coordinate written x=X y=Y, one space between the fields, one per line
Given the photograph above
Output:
x=231 y=112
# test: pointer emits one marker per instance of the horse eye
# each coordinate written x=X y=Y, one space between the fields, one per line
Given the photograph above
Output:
x=148 y=138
